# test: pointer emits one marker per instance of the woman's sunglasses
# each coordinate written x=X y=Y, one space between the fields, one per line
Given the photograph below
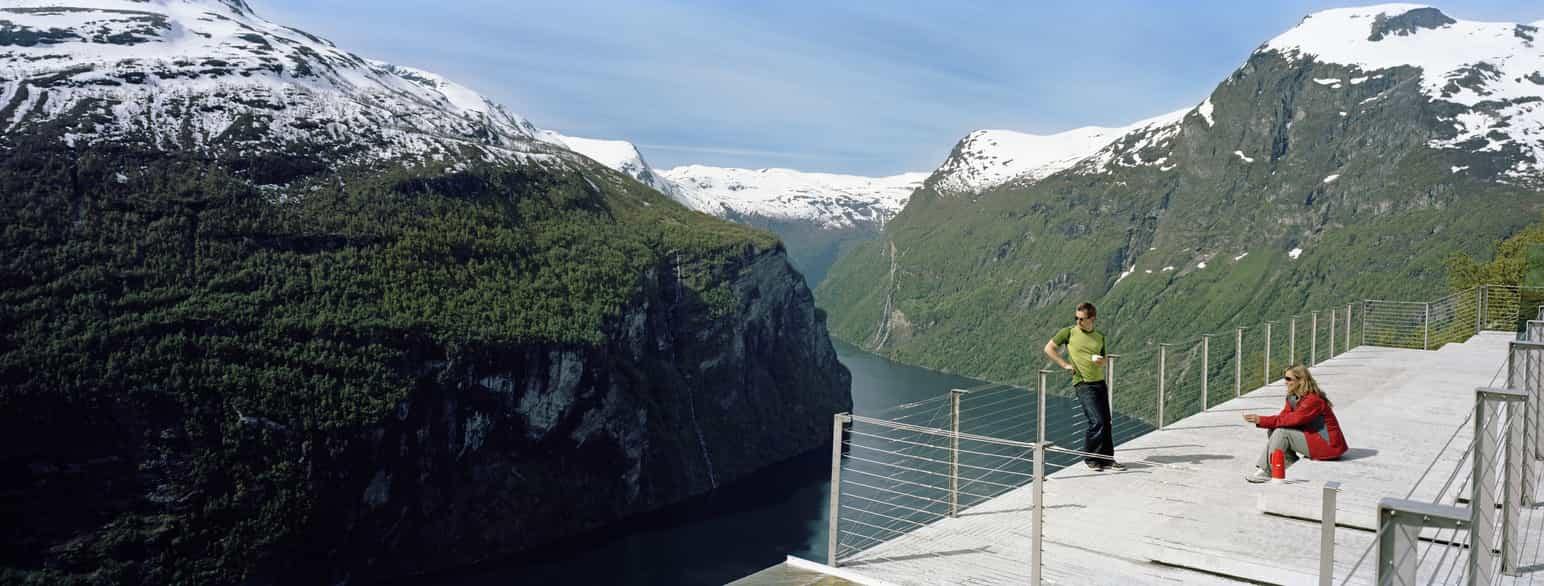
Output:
x=1289 y=379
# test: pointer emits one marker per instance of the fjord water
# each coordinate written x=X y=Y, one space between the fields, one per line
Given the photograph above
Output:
x=750 y=525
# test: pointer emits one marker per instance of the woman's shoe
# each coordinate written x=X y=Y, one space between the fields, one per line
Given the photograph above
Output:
x=1257 y=476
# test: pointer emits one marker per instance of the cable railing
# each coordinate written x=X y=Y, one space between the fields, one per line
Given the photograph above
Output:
x=923 y=463
x=1475 y=528
x=1472 y=528
x=891 y=479
x=1174 y=380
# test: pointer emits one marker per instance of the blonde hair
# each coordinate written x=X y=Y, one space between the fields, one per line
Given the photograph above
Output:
x=1306 y=385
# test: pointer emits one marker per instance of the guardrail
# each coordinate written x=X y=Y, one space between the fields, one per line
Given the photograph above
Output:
x=898 y=476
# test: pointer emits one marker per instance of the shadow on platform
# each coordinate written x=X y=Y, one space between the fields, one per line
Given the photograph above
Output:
x=1179 y=459
x=1357 y=454
x=931 y=554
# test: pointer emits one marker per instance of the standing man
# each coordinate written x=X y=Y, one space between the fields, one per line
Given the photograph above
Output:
x=1085 y=348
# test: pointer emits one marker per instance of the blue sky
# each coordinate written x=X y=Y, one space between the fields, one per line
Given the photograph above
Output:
x=869 y=88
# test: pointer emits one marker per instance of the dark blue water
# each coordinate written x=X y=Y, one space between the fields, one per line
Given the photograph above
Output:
x=753 y=524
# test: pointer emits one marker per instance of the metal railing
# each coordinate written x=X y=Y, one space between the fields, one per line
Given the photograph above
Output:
x=891 y=478
x=940 y=458
x=1173 y=380
x=1480 y=537
x=1475 y=536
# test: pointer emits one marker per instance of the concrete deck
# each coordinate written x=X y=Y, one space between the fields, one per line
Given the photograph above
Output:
x=1182 y=513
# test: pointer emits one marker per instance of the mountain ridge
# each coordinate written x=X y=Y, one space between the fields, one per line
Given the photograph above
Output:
x=1294 y=184
x=274 y=313
x=184 y=74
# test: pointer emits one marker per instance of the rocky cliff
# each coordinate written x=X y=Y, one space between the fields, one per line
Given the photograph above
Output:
x=271 y=313
x=508 y=447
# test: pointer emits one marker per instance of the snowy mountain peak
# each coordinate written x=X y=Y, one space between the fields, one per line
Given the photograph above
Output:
x=829 y=200
x=619 y=155
x=1494 y=70
x=988 y=158
x=213 y=76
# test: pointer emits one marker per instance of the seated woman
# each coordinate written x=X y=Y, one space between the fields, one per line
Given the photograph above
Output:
x=1306 y=426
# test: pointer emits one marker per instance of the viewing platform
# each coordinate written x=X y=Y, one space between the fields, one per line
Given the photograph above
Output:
x=1182 y=512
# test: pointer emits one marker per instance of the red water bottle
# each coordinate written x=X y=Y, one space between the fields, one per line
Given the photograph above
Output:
x=1278 y=465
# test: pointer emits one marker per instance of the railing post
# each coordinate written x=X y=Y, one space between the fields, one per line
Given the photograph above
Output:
x=1313 y=344
x=1484 y=307
x=1364 y=322
x=954 y=451
x=1238 y=364
x=1292 y=341
x=1266 y=374
x=1517 y=311
x=842 y=420
x=1348 y=329
x=1327 y=535
x=1332 y=335
x=1163 y=359
x=1037 y=539
x=1489 y=449
x=1479 y=300
x=1426 y=328
x=1524 y=362
x=1206 y=370
x=1109 y=384
x=1402 y=522
x=1040 y=405
x=1480 y=498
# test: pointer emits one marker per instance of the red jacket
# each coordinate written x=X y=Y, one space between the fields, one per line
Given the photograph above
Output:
x=1317 y=421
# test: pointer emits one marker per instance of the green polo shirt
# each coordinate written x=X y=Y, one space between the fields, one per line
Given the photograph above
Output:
x=1081 y=348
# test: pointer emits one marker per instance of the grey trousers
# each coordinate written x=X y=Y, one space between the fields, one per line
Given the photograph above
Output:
x=1290 y=441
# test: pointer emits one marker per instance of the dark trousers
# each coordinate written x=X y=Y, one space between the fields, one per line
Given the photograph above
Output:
x=1097 y=438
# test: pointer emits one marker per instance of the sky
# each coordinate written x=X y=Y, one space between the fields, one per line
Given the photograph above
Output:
x=865 y=88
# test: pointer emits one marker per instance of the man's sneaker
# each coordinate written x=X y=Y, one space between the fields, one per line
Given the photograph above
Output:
x=1257 y=476
x=1116 y=466
x=1095 y=466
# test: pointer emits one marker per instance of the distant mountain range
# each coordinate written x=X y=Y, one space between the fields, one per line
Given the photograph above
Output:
x=819 y=216
x=1492 y=70
x=1345 y=159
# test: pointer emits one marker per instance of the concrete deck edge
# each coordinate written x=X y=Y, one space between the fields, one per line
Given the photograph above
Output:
x=847 y=575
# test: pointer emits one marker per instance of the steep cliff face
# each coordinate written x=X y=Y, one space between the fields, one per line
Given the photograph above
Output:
x=271 y=313
x=213 y=389
x=510 y=447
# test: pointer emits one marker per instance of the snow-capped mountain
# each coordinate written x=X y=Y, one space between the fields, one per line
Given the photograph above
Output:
x=818 y=215
x=829 y=200
x=1359 y=142
x=213 y=76
x=1489 y=75
x=988 y=158
x=619 y=155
